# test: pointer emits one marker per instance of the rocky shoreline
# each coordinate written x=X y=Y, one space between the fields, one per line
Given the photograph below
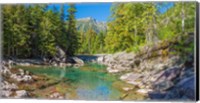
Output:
x=158 y=77
x=10 y=89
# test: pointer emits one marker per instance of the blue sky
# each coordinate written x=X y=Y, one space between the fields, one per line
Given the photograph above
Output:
x=164 y=6
x=100 y=11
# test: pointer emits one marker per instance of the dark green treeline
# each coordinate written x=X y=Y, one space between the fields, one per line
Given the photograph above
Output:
x=35 y=31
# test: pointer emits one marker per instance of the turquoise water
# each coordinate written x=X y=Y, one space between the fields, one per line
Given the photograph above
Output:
x=91 y=81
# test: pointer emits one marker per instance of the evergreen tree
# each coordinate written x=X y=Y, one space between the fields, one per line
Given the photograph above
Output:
x=72 y=37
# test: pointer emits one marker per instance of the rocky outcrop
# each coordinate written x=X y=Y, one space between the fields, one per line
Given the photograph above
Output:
x=184 y=89
x=11 y=90
x=154 y=71
x=117 y=62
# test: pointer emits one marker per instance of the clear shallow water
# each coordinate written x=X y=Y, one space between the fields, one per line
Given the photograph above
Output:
x=91 y=81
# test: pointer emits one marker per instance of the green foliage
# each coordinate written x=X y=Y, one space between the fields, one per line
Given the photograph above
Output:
x=91 y=42
x=166 y=33
x=133 y=25
x=34 y=31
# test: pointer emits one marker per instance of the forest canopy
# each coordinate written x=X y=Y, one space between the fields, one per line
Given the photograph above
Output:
x=35 y=30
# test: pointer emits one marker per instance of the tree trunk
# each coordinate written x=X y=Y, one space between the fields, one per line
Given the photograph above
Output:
x=8 y=51
x=155 y=36
x=183 y=18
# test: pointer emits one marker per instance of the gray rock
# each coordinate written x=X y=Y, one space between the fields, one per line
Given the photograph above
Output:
x=20 y=78
x=156 y=95
x=56 y=95
x=23 y=64
x=112 y=70
x=21 y=71
x=27 y=78
x=21 y=94
x=132 y=78
x=144 y=91
x=162 y=86
x=60 y=57
x=5 y=70
x=8 y=86
x=78 y=61
x=168 y=74
x=186 y=72
x=5 y=93
x=100 y=59
x=184 y=89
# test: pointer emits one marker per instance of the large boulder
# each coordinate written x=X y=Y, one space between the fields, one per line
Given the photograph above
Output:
x=60 y=55
x=77 y=62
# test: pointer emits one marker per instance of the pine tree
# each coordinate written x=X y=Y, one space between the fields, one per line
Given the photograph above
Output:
x=72 y=37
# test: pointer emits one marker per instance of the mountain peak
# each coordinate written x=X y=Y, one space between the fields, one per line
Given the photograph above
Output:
x=83 y=24
x=86 y=19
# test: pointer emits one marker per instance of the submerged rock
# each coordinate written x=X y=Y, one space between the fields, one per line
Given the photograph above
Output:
x=127 y=88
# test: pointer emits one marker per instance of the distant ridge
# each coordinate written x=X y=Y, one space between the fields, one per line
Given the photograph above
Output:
x=84 y=24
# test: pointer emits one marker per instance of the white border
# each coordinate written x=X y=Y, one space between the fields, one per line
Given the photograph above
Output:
x=63 y=1
x=77 y=1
